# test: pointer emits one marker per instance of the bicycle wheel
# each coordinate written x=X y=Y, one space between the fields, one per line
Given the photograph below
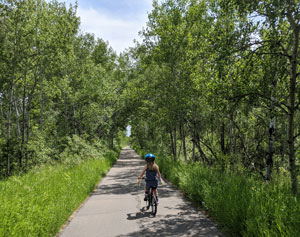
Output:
x=148 y=202
x=153 y=205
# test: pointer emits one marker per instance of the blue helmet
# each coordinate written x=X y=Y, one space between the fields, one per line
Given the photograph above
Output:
x=150 y=157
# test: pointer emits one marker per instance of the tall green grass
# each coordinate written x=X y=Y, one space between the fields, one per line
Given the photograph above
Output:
x=40 y=202
x=242 y=205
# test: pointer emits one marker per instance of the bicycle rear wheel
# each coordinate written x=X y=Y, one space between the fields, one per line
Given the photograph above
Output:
x=148 y=202
x=153 y=205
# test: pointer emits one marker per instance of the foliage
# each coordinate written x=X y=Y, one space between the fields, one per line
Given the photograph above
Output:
x=214 y=85
x=77 y=148
x=243 y=205
x=60 y=90
x=217 y=82
x=40 y=202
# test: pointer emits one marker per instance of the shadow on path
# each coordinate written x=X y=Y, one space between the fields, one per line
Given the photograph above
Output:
x=175 y=217
x=183 y=223
x=139 y=215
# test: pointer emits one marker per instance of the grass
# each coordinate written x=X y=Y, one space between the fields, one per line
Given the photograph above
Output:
x=241 y=204
x=41 y=201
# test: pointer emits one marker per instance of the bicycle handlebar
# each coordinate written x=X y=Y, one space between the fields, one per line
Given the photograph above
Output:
x=139 y=180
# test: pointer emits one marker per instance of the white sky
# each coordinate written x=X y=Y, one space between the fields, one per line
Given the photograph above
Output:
x=128 y=131
x=115 y=21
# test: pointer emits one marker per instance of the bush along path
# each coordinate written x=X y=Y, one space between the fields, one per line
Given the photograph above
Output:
x=40 y=202
x=116 y=208
x=241 y=204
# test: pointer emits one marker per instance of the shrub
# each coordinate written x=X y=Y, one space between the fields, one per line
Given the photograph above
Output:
x=40 y=202
x=242 y=205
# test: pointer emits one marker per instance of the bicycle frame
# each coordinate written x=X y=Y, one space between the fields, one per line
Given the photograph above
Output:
x=151 y=200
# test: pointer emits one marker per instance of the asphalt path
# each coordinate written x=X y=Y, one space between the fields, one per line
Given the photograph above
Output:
x=116 y=208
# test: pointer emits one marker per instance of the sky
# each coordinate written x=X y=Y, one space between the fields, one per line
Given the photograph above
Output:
x=128 y=131
x=115 y=21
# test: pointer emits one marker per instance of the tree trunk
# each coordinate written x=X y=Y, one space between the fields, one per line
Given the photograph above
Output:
x=269 y=160
x=194 y=144
x=28 y=127
x=272 y=127
x=196 y=141
x=292 y=90
x=23 y=125
x=18 y=130
x=8 y=130
x=223 y=138
x=173 y=144
x=284 y=132
x=183 y=141
x=231 y=137
x=291 y=138
x=180 y=148
x=202 y=154
x=193 y=152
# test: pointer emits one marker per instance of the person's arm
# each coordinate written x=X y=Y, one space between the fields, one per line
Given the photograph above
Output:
x=158 y=173
x=143 y=172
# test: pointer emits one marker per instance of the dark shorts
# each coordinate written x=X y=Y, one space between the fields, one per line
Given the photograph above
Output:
x=151 y=184
x=148 y=187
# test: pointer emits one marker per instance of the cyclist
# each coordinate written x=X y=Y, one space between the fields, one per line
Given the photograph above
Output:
x=152 y=175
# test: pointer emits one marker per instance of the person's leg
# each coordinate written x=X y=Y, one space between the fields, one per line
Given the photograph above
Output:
x=156 y=194
x=146 y=193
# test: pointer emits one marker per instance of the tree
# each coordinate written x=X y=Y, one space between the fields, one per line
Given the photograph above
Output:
x=284 y=18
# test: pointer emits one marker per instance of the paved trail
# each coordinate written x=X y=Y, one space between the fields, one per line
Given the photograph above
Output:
x=116 y=208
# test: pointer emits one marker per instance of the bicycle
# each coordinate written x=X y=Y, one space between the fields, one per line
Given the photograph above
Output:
x=150 y=200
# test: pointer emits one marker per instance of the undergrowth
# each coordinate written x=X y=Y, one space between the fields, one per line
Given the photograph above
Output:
x=39 y=202
x=242 y=205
